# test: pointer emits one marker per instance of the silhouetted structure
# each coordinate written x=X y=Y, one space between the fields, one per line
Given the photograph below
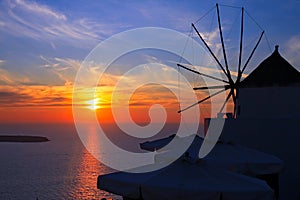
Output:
x=266 y=108
x=268 y=118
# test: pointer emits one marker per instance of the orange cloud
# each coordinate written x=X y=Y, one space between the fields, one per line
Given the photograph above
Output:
x=23 y=100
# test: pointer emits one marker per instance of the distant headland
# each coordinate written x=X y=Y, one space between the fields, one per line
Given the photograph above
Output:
x=22 y=138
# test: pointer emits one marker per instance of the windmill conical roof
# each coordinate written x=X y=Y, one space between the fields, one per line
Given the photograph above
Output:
x=273 y=71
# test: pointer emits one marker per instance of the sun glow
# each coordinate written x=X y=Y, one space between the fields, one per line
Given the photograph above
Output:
x=93 y=104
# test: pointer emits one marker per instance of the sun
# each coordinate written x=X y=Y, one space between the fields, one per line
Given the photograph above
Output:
x=93 y=104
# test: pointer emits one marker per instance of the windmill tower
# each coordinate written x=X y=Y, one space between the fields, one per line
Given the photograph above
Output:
x=266 y=111
x=271 y=90
x=268 y=117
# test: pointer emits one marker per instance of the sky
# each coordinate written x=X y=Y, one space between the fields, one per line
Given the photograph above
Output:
x=43 y=44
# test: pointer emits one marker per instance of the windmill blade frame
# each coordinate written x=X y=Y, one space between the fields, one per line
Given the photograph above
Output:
x=202 y=74
x=232 y=85
x=202 y=100
x=211 y=87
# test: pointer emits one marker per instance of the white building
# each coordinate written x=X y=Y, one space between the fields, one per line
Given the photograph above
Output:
x=268 y=118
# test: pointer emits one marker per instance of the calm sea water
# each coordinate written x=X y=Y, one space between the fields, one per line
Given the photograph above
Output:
x=59 y=169
x=62 y=168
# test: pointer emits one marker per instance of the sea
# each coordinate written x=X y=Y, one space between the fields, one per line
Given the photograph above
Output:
x=62 y=168
x=59 y=169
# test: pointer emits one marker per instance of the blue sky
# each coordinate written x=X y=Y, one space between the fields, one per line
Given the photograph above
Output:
x=40 y=40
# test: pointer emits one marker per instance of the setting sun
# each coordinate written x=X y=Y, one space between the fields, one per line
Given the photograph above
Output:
x=93 y=104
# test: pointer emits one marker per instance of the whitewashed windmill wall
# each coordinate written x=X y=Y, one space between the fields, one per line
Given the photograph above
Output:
x=272 y=90
x=269 y=118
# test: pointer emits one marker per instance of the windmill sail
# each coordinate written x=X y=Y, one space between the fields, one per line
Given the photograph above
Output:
x=232 y=85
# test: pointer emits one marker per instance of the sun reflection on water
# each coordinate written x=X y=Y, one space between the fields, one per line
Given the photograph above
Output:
x=88 y=170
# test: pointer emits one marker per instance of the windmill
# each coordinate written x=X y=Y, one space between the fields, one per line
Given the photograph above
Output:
x=228 y=83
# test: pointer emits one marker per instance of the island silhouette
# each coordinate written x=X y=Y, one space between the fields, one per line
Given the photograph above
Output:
x=22 y=138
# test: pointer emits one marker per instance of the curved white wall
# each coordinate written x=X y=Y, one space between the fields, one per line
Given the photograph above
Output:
x=269 y=102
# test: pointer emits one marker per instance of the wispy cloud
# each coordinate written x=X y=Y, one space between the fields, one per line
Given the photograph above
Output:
x=5 y=77
x=168 y=14
x=45 y=10
x=293 y=49
x=64 y=68
x=10 y=98
x=20 y=91
x=38 y=21
x=11 y=78
x=294 y=43
x=67 y=68
x=41 y=96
